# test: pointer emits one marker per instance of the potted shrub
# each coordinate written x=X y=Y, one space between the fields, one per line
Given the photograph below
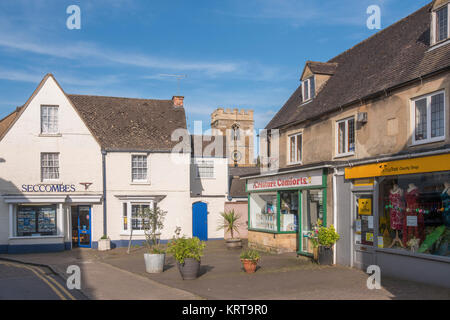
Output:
x=230 y=223
x=327 y=237
x=187 y=252
x=104 y=243
x=249 y=259
x=152 y=222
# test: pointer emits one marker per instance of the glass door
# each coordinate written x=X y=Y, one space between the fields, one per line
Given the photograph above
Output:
x=363 y=229
x=84 y=226
x=313 y=210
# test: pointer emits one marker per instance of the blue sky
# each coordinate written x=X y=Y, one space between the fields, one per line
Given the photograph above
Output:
x=236 y=54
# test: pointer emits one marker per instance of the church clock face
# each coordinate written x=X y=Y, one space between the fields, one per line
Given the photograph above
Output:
x=236 y=155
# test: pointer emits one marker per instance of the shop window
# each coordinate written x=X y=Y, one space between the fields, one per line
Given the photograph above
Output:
x=205 y=168
x=49 y=166
x=345 y=137
x=415 y=213
x=139 y=168
x=288 y=211
x=312 y=210
x=429 y=118
x=49 y=119
x=295 y=148
x=36 y=221
x=263 y=211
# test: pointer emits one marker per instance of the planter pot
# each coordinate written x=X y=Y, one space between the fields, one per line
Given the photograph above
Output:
x=249 y=265
x=154 y=263
x=326 y=255
x=316 y=254
x=189 y=269
x=234 y=243
x=104 y=244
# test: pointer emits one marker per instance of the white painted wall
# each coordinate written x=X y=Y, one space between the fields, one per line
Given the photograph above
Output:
x=21 y=147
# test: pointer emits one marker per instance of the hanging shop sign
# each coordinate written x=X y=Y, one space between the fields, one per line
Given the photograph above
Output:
x=407 y=166
x=48 y=188
x=286 y=181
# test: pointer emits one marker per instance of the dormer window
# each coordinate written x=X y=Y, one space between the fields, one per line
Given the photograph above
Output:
x=308 y=90
x=441 y=24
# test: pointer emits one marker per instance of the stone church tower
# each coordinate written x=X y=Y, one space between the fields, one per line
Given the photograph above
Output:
x=238 y=127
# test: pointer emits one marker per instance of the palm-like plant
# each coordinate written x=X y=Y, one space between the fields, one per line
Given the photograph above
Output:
x=230 y=222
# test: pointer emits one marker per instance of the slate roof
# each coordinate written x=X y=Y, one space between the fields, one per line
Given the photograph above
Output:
x=392 y=57
x=130 y=124
x=316 y=67
x=236 y=185
x=208 y=146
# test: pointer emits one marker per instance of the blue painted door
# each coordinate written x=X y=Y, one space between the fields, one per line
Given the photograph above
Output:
x=200 y=220
x=84 y=226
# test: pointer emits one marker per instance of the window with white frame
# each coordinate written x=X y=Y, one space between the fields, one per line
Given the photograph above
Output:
x=132 y=215
x=429 y=118
x=295 y=148
x=49 y=166
x=49 y=119
x=205 y=168
x=138 y=168
x=308 y=89
x=345 y=136
x=441 y=25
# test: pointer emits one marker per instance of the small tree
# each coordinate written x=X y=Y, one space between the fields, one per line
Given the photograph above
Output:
x=230 y=222
x=152 y=222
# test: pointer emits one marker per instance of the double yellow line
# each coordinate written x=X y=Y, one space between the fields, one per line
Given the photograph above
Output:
x=60 y=291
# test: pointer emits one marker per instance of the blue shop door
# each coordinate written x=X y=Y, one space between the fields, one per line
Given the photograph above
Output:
x=84 y=226
x=200 y=220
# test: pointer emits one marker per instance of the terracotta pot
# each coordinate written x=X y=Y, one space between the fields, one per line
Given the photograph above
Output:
x=249 y=265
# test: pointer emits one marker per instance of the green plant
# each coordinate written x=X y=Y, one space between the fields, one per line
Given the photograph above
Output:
x=152 y=222
x=183 y=248
x=230 y=222
x=327 y=236
x=250 y=254
x=104 y=237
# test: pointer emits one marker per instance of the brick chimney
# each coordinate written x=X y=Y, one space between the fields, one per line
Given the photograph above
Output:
x=177 y=101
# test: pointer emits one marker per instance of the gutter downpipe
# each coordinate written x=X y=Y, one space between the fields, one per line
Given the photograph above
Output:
x=105 y=230
x=335 y=199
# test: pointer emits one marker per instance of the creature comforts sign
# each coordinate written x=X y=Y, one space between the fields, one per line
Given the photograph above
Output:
x=286 y=181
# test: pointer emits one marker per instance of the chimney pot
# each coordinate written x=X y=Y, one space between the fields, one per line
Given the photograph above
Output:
x=177 y=101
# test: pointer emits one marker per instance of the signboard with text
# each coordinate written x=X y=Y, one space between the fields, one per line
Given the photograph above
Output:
x=286 y=181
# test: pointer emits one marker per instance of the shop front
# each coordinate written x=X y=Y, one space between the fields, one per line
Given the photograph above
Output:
x=49 y=222
x=284 y=208
x=401 y=217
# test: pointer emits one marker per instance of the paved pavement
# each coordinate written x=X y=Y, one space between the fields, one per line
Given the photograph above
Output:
x=26 y=282
x=99 y=281
x=117 y=275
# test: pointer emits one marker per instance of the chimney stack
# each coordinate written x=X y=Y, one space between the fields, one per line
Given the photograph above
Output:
x=177 y=101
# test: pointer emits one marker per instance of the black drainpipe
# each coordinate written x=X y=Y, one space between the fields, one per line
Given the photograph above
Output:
x=104 y=191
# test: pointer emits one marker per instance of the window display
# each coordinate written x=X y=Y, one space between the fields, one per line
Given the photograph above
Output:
x=36 y=220
x=263 y=211
x=415 y=213
x=288 y=211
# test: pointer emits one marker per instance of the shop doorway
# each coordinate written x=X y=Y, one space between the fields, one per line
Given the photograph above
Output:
x=81 y=226
x=363 y=229
x=200 y=220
